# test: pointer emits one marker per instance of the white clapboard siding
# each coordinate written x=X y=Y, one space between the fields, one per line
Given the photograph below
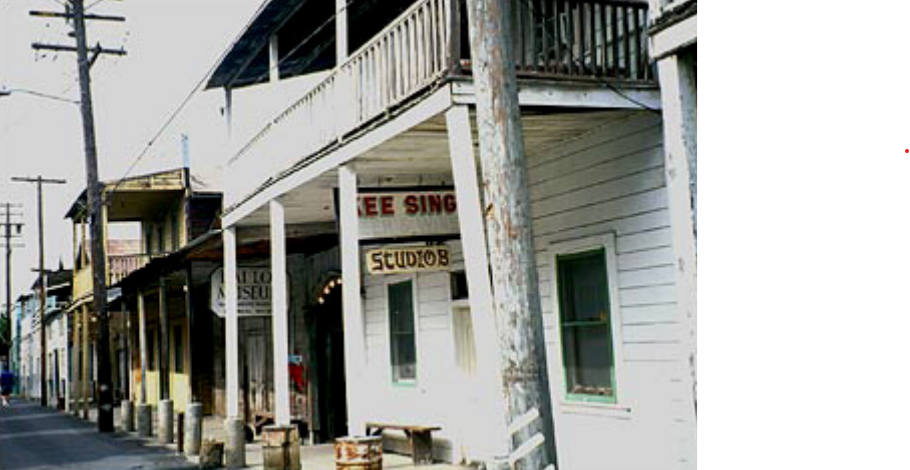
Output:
x=612 y=181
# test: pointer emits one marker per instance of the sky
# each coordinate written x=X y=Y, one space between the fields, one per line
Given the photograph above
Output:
x=171 y=45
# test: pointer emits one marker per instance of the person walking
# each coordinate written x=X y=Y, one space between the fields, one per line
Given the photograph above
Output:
x=7 y=380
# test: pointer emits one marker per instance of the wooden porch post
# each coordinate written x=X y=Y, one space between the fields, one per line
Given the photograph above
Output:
x=232 y=359
x=234 y=446
x=678 y=100
x=164 y=351
x=341 y=31
x=516 y=288
x=477 y=267
x=86 y=351
x=143 y=349
x=279 y=314
x=354 y=343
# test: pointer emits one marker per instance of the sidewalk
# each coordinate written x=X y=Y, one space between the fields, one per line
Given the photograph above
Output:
x=318 y=457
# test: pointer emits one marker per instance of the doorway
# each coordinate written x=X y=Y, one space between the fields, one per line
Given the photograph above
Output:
x=329 y=418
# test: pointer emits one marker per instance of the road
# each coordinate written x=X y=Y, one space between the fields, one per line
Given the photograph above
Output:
x=36 y=439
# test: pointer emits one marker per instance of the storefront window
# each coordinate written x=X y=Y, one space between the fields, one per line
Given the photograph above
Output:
x=402 y=337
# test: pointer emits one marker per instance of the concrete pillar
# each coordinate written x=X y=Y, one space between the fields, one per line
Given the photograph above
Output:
x=354 y=342
x=126 y=415
x=165 y=421
x=279 y=314
x=193 y=438
x=234 y=443
x=144 y=420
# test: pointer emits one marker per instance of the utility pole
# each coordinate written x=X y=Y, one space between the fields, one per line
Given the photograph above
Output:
x=99 y=260
x=39 y=182
x=516 y=295
x=8 y=236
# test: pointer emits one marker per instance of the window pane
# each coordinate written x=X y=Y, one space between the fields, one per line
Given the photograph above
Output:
x=401 y=323
x=583 y=287
x=588 y=359
x=178 y=350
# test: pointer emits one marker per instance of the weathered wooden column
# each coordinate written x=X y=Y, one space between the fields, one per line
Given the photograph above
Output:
x=516 y=295
x=477 y=269
x=86 y=352
x=144 y=410
x=354 y=342
x=193 y=436
x=75 y=369
x=279 y=313
x=341 y=31
x=165 y=405
x=281 y=442
x=678 y=100
x=235 y=444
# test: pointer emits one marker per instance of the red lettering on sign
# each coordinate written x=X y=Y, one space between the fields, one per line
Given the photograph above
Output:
x=369 y=205
x=387 y=206
x=449 y=203
x=410 y=204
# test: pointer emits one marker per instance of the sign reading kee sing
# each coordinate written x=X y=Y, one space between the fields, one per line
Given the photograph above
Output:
x=407 y=259
x=404 y=214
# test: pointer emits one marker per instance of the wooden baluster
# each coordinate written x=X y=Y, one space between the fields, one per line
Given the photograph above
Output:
x=593 y=37
x=570 y=39
x=604 y=44
x=627 y=42
x=557 y=39
x=580 y=15
x=614 y=34
x=544 y=43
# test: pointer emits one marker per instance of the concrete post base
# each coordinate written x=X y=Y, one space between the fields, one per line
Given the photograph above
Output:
x=165 y=421
x=234 y=443
x=281 y=448
x=144 y=420
x=193 y=437
x=126 y=415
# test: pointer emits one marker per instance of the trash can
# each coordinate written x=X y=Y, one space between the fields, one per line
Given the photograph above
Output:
x=358 y=453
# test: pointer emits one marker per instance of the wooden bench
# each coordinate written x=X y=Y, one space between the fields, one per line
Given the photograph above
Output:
x=420 y=438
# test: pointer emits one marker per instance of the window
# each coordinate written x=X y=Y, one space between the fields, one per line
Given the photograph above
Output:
x=585 y=326
x=161 y=237
x=401 y=327
x=459 y=283
x=178 y=350
x=150 y=349
x=175 y=230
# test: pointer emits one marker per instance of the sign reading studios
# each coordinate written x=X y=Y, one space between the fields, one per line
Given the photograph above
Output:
x=254 y=292
x=394 y=215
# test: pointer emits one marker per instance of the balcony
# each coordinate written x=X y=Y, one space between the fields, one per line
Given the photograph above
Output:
x=593 y=41
x=118 y=267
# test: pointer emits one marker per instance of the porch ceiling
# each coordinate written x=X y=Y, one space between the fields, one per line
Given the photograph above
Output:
x=421 y=156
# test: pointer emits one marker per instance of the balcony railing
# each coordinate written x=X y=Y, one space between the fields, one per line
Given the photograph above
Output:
x=592 y=40
x=119 y=266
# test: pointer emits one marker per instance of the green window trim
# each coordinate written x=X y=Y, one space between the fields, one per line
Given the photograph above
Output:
x=583 y=288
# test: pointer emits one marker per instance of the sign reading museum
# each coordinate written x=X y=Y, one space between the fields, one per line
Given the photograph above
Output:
x=254 y=292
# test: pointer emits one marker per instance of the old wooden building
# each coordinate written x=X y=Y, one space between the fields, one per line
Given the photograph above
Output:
x=363 y=115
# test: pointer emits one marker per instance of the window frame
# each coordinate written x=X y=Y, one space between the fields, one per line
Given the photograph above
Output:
x=395 y=280
x=607 y=243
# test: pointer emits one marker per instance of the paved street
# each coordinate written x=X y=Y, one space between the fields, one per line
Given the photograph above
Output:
x=36 y=438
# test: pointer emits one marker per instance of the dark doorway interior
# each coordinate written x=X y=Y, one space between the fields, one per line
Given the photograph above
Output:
x=327 y=368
